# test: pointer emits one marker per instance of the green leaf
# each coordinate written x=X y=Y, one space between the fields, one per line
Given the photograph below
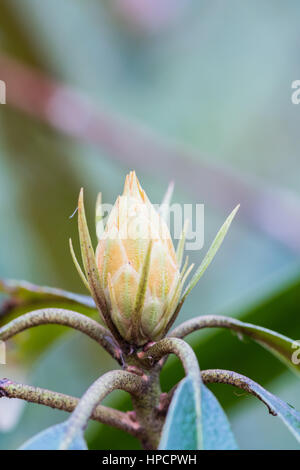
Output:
x=24 y=297
x=211 y=253
x=217 y=434
x=284 y=411
x=51 y=438
x=183 y=427
x=28 y=293
x=281 y=346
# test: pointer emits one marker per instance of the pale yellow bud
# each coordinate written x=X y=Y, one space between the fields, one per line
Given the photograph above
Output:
x=139 y=315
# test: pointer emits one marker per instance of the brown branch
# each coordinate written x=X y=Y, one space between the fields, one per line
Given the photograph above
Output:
x=63 y=317
x=107 y=383
x=160 y=350
x=220 y=376
x=237 y=380
x=42 y=98
x=60 y=401
x=206 y=321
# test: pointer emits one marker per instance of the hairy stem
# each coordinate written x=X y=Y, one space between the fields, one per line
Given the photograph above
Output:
x=186 y=355
x=146 y=407
x=60 y=401
x=237 y=380
x=223 y=377
x=174 y=346
x=110 y=381
x=207 y=321
x=67 y=318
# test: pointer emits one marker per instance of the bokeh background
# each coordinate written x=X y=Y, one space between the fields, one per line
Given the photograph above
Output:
x=198 y=92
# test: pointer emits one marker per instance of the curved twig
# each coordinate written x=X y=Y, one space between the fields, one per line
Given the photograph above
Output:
x=205 y=321
x=116 y=379
x=173 y=346
x=227 y=377
x=237 y=380
x=67 y=318
x=60 y=401
x=274 y=342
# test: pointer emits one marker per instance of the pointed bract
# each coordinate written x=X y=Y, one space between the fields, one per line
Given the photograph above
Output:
x=211 y=252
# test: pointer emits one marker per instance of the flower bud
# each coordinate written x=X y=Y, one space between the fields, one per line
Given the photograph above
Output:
x=138 y=268
x=135 y=277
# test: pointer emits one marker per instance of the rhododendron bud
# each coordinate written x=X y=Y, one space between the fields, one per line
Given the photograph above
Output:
x=134 y=277
x=138 y=268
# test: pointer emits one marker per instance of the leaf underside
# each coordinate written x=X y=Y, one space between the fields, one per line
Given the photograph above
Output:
x=217 y=433
x=27 y=292
x=288 y=414
x=183 y=423
x=51 y=438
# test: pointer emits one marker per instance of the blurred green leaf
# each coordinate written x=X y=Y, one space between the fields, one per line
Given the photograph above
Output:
x=280 y=345
x=51 y=438
x=23 y=297
x=217 y=434
x=276 y=343
x=183 y=427
x=27 y=293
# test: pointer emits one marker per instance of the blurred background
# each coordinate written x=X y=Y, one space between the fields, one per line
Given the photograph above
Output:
x=198 y=92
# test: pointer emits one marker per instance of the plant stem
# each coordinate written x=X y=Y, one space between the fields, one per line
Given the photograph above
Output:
x=174 y=346
x=277 y=343
x=110 y=381
x=184 y=352
x=67 y=318
x=205 y=321
x=237 y=380
x=146 y=407
x=221 y=376
x=60 y=401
